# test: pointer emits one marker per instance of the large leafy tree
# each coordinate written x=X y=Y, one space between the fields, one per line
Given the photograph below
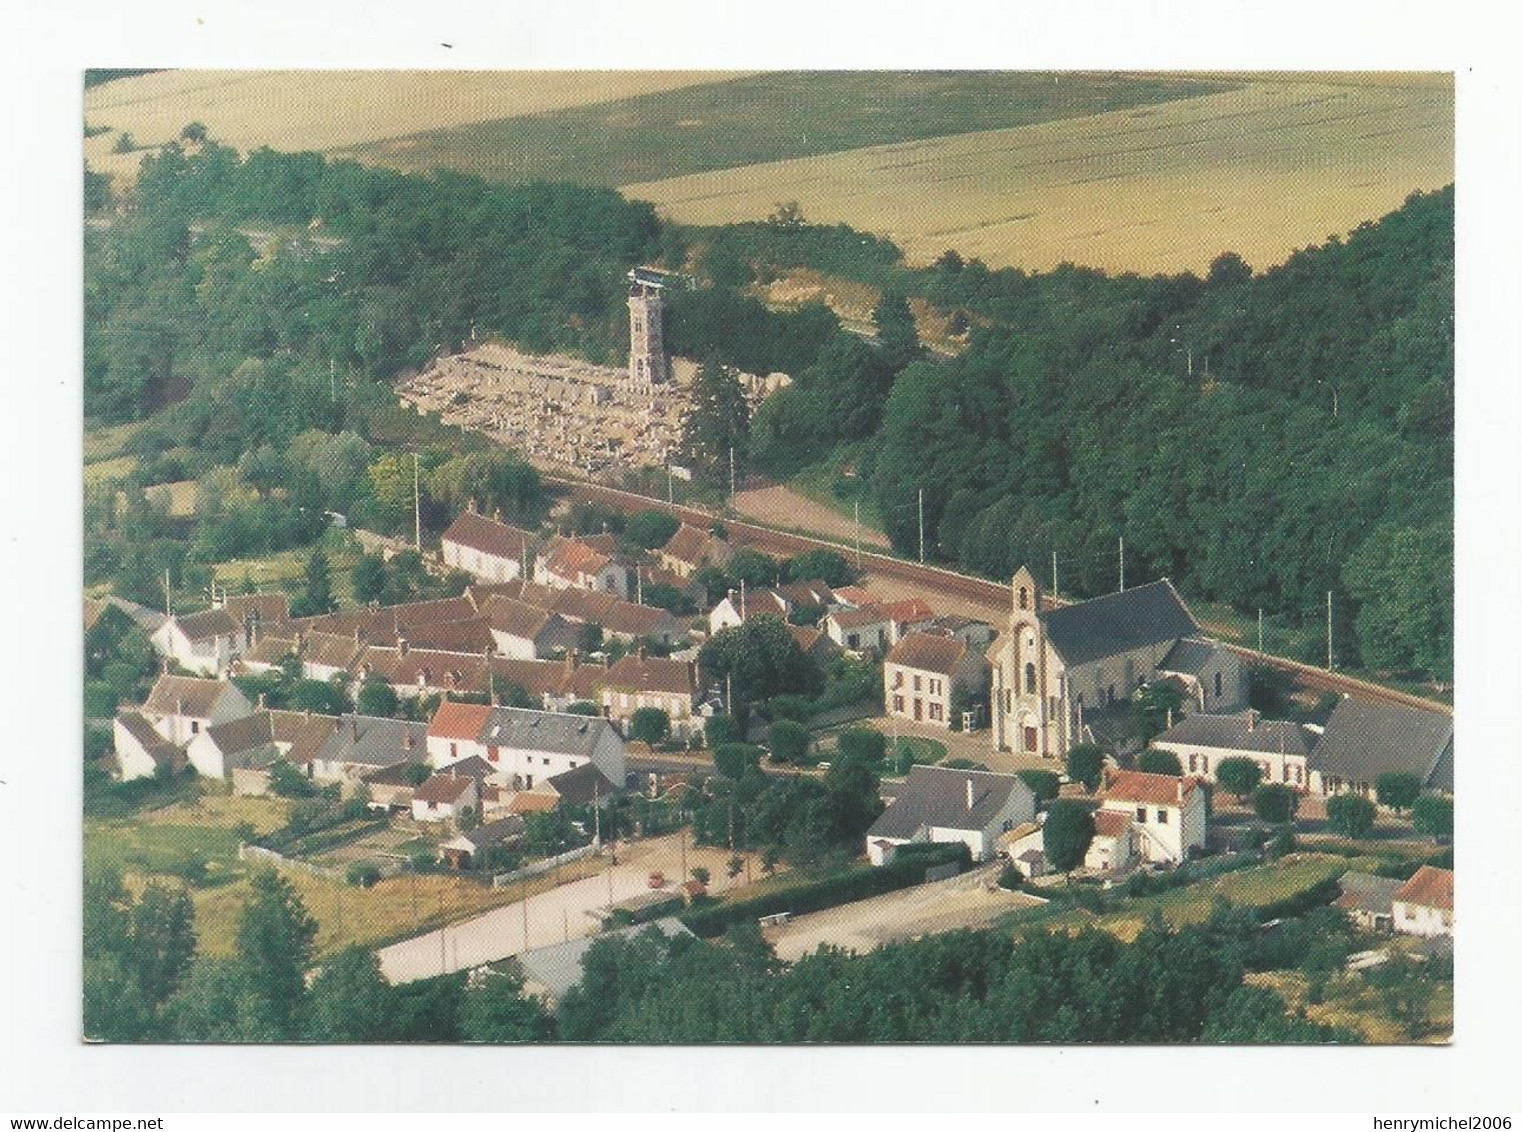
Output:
x=351 y=1001
x=759 y=659
x=275 y=938
x=1066 y=834
x=717 y=424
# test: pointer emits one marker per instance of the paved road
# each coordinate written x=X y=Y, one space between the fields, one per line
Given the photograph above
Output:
x=552 y=916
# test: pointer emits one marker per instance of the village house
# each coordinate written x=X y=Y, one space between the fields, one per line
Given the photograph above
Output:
x=392 y=787
x=737 y=606
x=910 y=615
x=1164 y=816
x=140 y=751
x=181 y=707
x=860 y=629
x=489 y=549
x=969 y=630
x=1280 y=749
x=243 y=750
x=690 y=549
x=1369 y=900
x=1207 y=672
x=814 y=644
x=528 y=632
x=360 y=744
x=523 y=745
x=268 y=654
x=939 y=804
x=465 y=850
x=446 y=797
x=591 y=562
x=1114 y=847
x=854 y=597
x=1424 y=904
x=1365 y=738
x=326 y=655
x=923 y=674
x=617 y=618
x=637 y=681
x=1092 y=655
x=205 y=643
x=412 y=673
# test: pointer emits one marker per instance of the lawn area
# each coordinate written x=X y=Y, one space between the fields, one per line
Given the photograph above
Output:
x=286 y=569
x=1254 y=887
x=817 y=484
x=164 y=849
x=226 y=811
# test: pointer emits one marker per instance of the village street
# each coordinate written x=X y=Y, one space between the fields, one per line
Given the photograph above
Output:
x=553 y=916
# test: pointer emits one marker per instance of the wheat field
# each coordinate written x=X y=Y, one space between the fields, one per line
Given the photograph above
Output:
x=1273 y=166
x=335 y=110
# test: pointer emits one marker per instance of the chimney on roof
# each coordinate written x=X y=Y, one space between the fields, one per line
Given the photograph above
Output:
x=354 y=727
x=261 y=701
x=969 y=792
x=401 y=646
x=470 y=505
x=408 y=741
x=1252 y=720
x=497 y=514
x=640 y=652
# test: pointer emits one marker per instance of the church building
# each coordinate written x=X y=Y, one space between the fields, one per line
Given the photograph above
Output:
x=649 y=364
x=1092 y=656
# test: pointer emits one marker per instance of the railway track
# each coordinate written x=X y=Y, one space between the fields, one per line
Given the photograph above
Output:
x=938 y=580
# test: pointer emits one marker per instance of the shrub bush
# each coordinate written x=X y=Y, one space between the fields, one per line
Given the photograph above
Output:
x=364 y=874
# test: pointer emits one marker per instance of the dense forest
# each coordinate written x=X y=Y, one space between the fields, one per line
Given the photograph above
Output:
x=1261 y=438
x=145 y=980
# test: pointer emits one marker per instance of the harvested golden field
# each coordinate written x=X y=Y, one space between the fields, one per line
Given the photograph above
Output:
x=328 y=110
x=1276 y=165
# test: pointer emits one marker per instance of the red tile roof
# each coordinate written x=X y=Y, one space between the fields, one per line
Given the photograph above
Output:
x=1429 y=887
x=927 y=653
x=1153 y=789
x=573 y=557
x=1111 y=823
x=444 y=788
x=910 y=609
x=458 y=721
x=489 y=536
x=689 y=545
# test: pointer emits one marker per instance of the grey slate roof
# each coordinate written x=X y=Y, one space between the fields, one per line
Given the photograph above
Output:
x=195 y=695
x=492 y=832
x=1118 y=622
x=1365 y=892
x=1364 y=739
x=937 y=796
x=558 y=967
x=584 y=785
x=369 y=740
x=1189 y=656
x=154 y=745
x=529 y=730
x=1232 y=732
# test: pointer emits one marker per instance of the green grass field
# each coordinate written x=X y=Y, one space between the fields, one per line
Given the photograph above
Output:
x=763 y=118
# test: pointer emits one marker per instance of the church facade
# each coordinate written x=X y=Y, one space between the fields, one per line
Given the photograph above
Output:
x=649 y=364
x=1092 y=656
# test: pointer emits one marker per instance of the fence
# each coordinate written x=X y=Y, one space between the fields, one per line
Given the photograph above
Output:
x=270 y=857
x=502 y=880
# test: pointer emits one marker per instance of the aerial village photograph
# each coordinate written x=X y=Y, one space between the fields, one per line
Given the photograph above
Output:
x=846 y=556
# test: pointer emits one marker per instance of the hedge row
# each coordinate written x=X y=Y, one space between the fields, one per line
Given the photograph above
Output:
x=1317 y=895
x=908 y=868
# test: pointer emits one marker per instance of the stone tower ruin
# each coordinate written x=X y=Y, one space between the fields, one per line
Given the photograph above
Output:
x=648 y=364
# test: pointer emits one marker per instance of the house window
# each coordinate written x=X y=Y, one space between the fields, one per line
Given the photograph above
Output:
x=898 y=678
x=1030 y=678
x=935 y=710
x=1204 y=764
x=454 y=750
x=1193 y=762
x=1297 y=774
x=1162 y=817
x=898 y=703
x=494 y=753
x=195 y=726
x=853 y=641
x=916 y=683
x=1141 y=814
x=1025 y=598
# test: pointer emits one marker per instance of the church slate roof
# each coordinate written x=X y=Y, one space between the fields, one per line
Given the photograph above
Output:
x=1119 y=622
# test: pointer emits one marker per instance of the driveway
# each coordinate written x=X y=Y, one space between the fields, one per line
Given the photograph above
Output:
x=966 y=901
x=553 y=916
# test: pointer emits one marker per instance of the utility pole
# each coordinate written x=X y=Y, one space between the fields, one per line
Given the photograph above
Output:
x=1122 y=563
x=856 y=512
x=731 y=473
x=729 y=693
x=1260 y=632
x=683 y=844
x=168 y=601
x=670 y=498
x=524 y=904
x=639 y=584
x=417 y=506
x=1054 y=574
x=922 y=526
x=1328 y=630
x=332 y=380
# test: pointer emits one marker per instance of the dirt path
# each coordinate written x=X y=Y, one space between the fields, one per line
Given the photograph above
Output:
x=781 y=506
